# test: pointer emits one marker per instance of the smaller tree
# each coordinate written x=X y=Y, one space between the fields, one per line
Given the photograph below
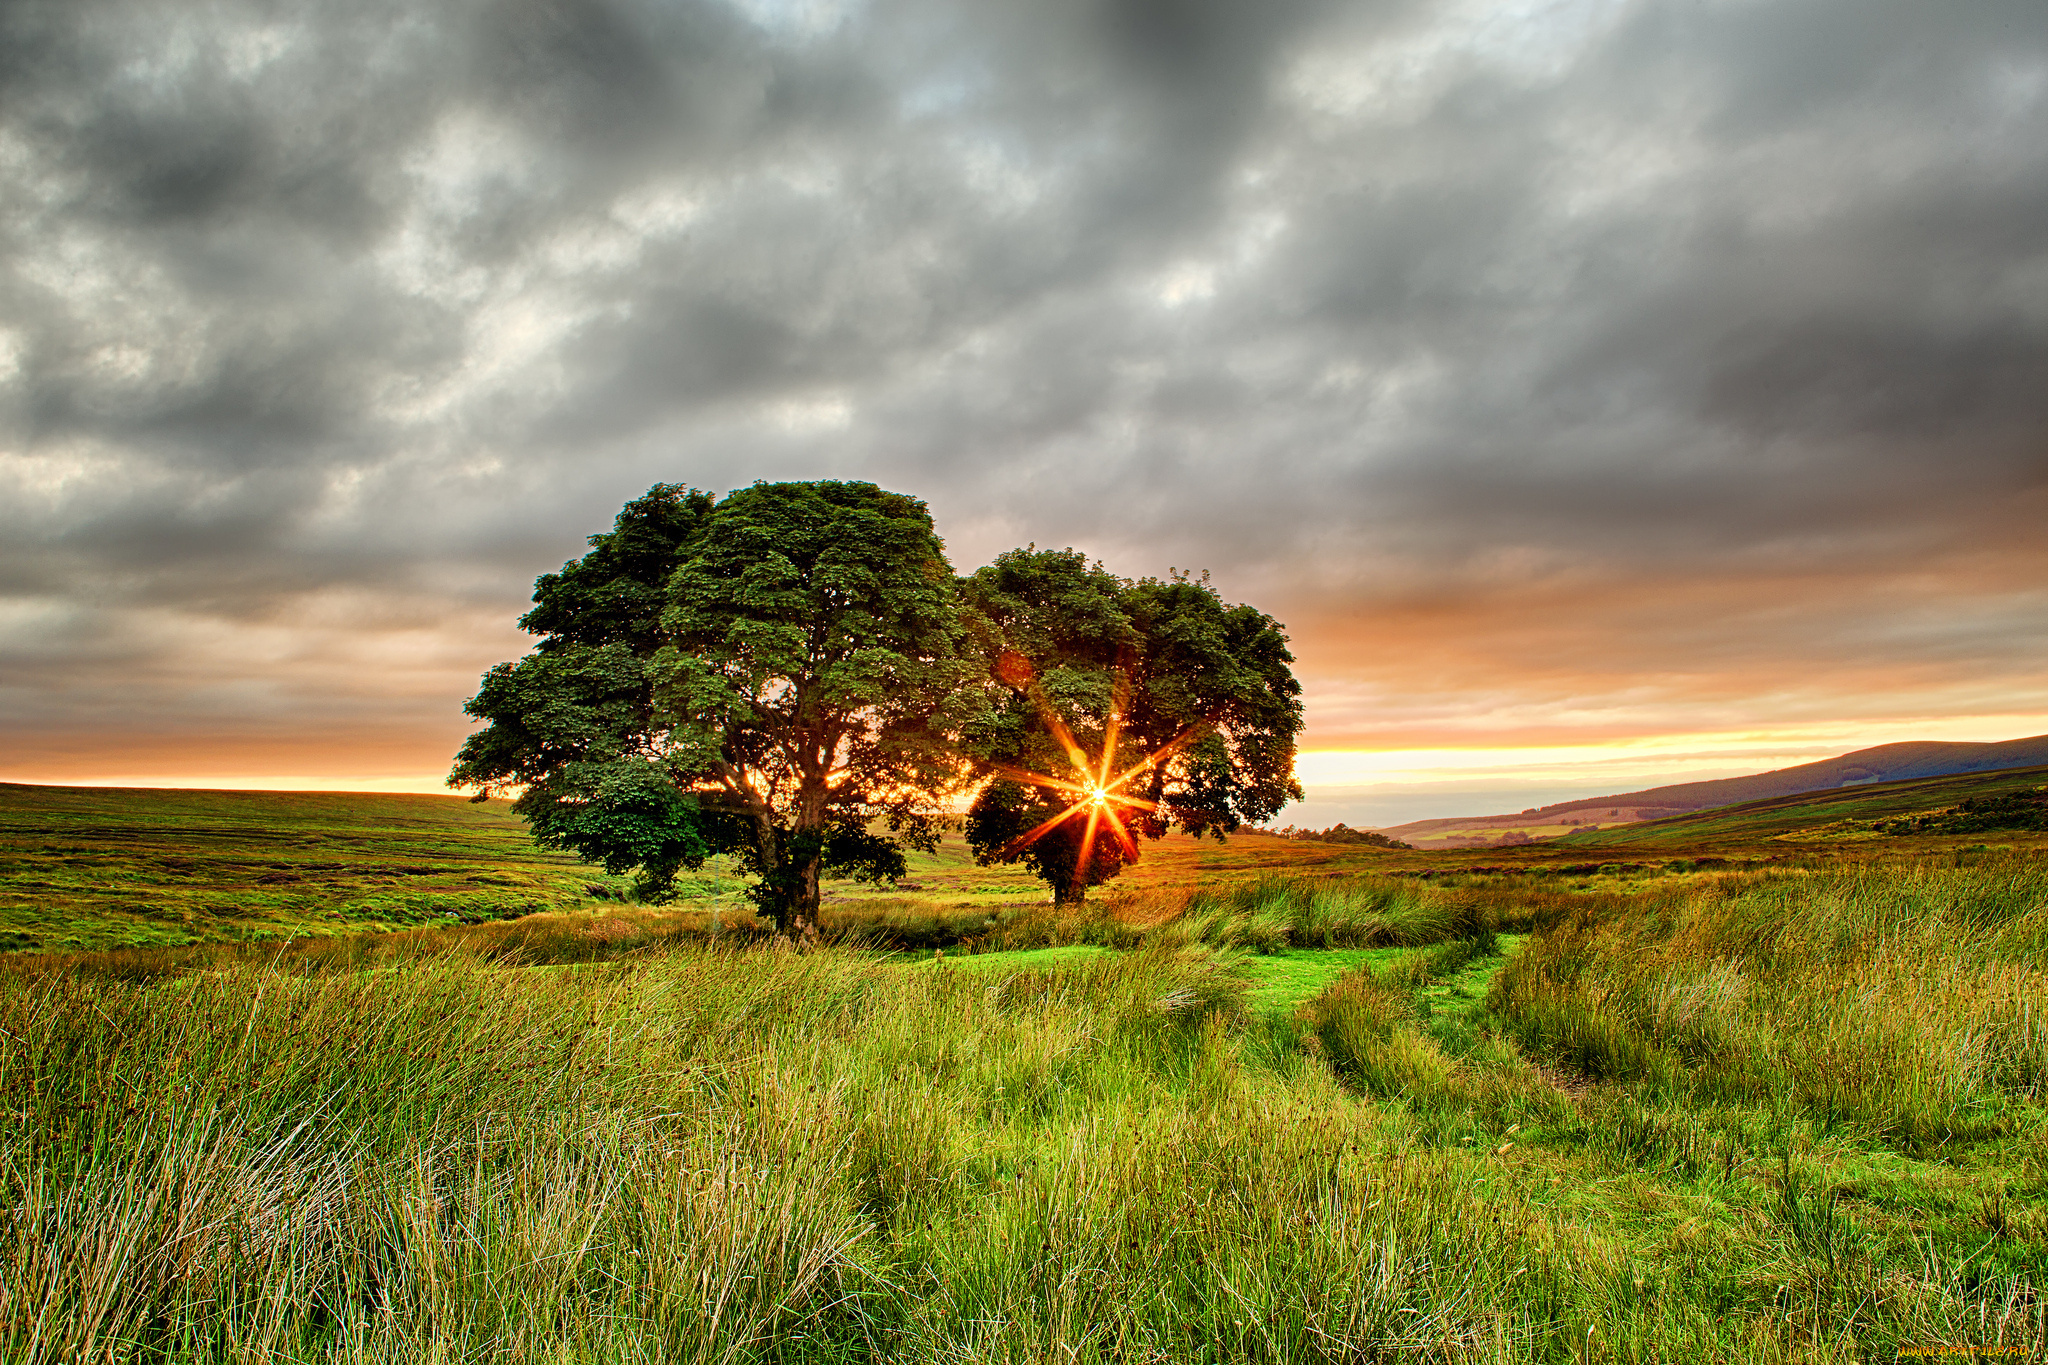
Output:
x=1113 y=710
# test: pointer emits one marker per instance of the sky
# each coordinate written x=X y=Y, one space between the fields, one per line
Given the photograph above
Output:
x=1600 y=391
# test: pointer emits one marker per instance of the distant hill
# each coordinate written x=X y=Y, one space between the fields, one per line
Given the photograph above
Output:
x=1885 y=763
x=1855 y=812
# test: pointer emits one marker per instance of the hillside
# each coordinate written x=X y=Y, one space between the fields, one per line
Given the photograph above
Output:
x=1833 y=817
x=1863 y=767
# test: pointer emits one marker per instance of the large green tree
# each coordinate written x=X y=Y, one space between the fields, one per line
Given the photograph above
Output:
x=811 y=656
x=1113 y=710
x=766 y=676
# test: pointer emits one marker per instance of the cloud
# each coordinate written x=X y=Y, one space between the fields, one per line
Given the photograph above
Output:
x=1530 y=360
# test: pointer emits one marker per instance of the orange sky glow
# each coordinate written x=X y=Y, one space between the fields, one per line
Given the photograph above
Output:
x=1602 y=394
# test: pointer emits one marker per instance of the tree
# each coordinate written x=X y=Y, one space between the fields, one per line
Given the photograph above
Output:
x=573 y=727
x=764 y=676
x=810 y=656
x=1114 y=709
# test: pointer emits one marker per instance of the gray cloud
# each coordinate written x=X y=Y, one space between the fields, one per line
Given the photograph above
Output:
x=1361 y=305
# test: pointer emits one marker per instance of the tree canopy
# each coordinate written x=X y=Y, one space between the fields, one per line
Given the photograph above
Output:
x=1091 y=678
x=810 y=658
x=792 y=675
x=765 y=676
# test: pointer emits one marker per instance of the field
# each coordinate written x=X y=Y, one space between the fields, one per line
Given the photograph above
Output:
x=102 y=868
x=84 y=868
x=1271 y=1101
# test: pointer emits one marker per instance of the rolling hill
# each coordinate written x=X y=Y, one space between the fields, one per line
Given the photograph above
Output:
x=1886 y=763
x=1843 y=815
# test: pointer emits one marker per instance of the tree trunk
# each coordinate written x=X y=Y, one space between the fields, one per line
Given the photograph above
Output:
x=1070 y=895
x=810 y=820
x=803 y=916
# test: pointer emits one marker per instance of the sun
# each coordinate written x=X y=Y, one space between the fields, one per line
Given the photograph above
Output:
x=1094 y=790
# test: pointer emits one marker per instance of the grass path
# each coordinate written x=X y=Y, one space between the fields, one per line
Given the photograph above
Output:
x=1464 y=991
x=1287 y=980
x=1283 y=981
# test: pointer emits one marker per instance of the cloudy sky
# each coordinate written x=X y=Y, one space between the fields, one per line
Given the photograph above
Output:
x=1600 y=390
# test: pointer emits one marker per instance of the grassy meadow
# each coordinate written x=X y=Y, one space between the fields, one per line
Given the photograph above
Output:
x=98 y=869
x=1264 y=1101
x=95 y=868
x=92 y=869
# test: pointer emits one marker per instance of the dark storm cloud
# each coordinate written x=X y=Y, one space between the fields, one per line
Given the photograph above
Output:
x=1365 y=306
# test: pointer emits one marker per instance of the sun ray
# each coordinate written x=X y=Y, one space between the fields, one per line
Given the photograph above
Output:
x=1095 y=807
x=1040 y=779
x=1123 y=836
x=1118 y=702
x=1093 y=790
x=1075 y=754
x=1037 y=832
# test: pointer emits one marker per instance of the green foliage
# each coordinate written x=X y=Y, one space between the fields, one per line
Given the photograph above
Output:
x=2021 y=810
x=1159 y=668
x=763 y=676
x=573 y=725
x=631 y=818
x=810 y=657
x=616 y=593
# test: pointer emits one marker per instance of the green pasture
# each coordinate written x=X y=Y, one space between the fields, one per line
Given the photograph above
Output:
x=1779 y=1115
x=90 y=868
x=104 y=868
x=86 y=869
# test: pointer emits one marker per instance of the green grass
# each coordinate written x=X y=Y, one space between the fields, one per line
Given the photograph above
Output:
x=1795 y=1112
x=1025 y=959
x=97 y=869
x=106 y=869
x=103 y=868
x=1580 y=1144
x=1285 y=981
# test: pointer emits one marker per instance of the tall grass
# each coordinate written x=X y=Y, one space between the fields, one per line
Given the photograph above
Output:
x=1272 y=914
x=748 y=1154
x=1265 y=915
x=1911 y=1001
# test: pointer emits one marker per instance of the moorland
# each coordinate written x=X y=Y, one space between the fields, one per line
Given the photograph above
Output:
x=1709 y=1093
